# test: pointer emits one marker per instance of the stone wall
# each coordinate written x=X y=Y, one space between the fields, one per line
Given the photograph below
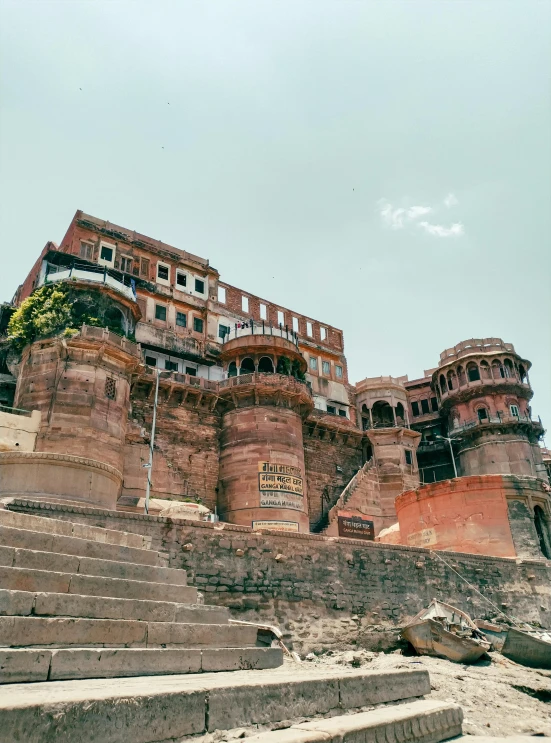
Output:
x=324 y=591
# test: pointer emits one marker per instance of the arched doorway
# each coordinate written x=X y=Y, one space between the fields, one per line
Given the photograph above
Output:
x=542 y=529
x=247 y=366
x=382 y=415
x=266 y=365
x=232 y=369
x=400 y=414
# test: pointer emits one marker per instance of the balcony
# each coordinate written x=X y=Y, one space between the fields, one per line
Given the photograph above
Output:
x=89 y=274
x=474 y=346
x=501 y=419
x=252 y=327
x=177 y=343
x=104 y=335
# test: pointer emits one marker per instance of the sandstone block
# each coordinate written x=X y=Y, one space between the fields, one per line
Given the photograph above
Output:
x=16 y=603
x=51 y=561
x=23 y=579
x=31 y=631
x=192 y=613
x=382 y=687
x=198 y=635
x=131 y=571
x=17 y=666
x=240 y=659
x=131 y=589
x=100 y=607
x=119 y=662
x=6 y=556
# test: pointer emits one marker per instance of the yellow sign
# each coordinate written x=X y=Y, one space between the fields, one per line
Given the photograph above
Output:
x=422 y=538
x=280 y=486
x=289 y=526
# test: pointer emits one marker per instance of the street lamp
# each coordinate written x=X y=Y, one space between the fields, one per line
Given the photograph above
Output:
x=445 y=438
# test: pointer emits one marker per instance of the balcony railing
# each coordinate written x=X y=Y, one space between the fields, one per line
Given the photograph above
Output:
x=466 y=383
x=274 y=380
x=492 y=419
x=255 y=327
x=95 y=274
x=108 y=336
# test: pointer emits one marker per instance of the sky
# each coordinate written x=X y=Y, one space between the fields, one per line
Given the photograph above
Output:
x=382 y=166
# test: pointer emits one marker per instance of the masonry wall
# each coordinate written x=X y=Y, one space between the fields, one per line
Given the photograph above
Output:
x=329 y=592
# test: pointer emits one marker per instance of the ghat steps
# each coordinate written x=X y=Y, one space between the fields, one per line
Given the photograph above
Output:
x=85 y=602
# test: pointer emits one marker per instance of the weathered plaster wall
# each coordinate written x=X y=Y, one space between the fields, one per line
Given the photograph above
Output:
x=325 y=592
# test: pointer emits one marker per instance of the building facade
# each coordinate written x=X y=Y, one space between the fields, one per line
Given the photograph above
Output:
x=256 y=417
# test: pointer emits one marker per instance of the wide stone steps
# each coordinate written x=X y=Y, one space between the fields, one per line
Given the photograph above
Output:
x=27 y=603
x=68 y=545
x=137 y=709
x=26 y=558
x=27 y=579
x=45 y=664
x=25 y=632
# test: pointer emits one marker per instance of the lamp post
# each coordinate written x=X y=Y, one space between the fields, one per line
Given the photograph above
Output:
x=445 y=438
x=149 y=465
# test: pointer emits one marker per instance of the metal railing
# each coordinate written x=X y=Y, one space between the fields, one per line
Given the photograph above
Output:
x=259 y=327
x=187 y=379
x=15 y=411
x=97 y=274
x=489 y=419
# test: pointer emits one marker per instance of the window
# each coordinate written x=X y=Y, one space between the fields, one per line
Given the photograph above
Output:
x=106 y=254
x=86 y=251
x=338 y=371
x=263 y=312
x=425 y=406
x=162 y=272
x=144 y=267
x=160 y=312
x=151 y=360
x=514 y=410
x=309 y=330
x=295 y=324
x=409 y=458
x=280 y=318
x=222 y=294
x=342 y=413
x=223 y=331
x=244 y=304
x=191 y=370
x=126 y=264
x=110 y=388
x=181 y=319
x=313 y=363
x=171 y=365
x=197 y=324
x=434 y=404
x=181 y=279
x=332 y=410
x=199 y=286
x=326 y=367
x=415 y=408
x=482 y=414
x=323 y=333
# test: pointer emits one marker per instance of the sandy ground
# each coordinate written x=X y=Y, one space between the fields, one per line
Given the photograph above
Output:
x=498 y=697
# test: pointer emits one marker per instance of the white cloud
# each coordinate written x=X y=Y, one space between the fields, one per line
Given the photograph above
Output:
x=397 y=219
x=451 y=200
x=456 y=229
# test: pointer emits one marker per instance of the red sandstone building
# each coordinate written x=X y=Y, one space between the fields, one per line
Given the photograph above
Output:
x=256 y=415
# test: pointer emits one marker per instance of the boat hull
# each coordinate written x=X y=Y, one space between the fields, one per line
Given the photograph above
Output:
x=527 y=650
x=429 y=637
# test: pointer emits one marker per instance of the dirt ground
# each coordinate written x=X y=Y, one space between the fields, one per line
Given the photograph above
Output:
x=498 y=697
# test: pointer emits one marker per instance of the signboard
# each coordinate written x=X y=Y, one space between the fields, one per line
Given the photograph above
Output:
x=422 y=538
x=280 y=486
x=355 y=527
x=288 y=526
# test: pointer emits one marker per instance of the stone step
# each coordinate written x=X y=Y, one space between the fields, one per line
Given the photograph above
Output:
x=19 y=520
x=44 y=581
x=25 y=558
x=27 y=603
x=119 y=710
x=44 y=664
x=26 y=632
x=67 y=545
x=425 y=721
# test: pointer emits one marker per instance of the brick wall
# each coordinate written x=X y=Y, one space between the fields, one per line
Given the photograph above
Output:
x=328 y=591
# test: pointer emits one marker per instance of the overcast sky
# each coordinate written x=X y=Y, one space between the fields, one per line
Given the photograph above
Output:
x=381 y=166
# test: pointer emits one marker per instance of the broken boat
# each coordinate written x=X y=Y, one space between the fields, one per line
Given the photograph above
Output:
x=529 y=647
x=443 y=631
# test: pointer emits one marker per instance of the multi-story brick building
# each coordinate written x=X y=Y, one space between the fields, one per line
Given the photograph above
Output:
x=256 y=415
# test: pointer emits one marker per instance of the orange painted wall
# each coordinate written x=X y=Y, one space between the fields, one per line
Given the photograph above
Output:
x=468 y=514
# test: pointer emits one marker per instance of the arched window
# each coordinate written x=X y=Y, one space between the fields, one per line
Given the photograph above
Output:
x=443 y=386
x=247 y=366
x=266 y=365
x=482 y=414
x=232 y=369
x=497 y=369
x=522 y=372
x=508 y=368
x=542 y=529
x=382 y=415
x=114 y=320
x=485 y=371
x=400 y=414
x=473 y=372
x=452 y=380
x=461 y=378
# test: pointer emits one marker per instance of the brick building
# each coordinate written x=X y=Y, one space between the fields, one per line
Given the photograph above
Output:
x=256 y=415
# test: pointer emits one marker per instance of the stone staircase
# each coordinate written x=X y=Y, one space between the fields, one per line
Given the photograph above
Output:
x=358 y=493
x=81 y=602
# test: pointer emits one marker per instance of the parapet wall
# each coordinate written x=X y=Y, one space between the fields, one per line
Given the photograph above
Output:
x=329 y=591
